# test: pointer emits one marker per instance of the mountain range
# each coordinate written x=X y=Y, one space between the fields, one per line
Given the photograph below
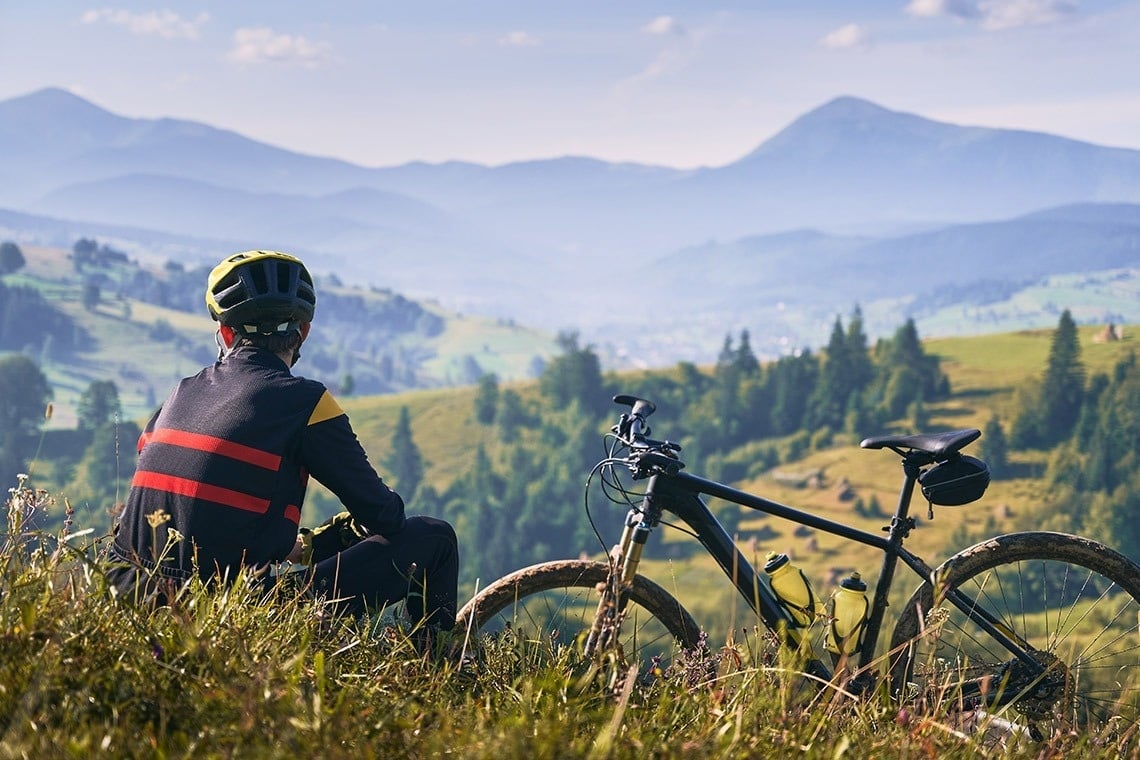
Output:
x=850 y=204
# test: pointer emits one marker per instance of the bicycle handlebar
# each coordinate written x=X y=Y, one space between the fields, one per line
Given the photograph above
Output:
x=646 y=455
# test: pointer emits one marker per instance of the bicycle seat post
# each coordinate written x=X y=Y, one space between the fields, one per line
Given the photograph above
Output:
x=900 y=527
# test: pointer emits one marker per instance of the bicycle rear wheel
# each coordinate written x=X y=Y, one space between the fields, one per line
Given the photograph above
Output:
x=551 y=606
x=1072 y=599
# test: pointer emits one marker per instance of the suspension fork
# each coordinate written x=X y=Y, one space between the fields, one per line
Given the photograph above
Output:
x=624 y=559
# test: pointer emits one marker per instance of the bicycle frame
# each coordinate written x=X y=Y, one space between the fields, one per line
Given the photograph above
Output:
x=681 y=494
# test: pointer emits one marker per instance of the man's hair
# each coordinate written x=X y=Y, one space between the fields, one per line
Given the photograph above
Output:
x=278 y=343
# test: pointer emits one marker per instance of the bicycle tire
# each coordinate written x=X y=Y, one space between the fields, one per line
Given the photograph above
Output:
x=1073 y=599
x=553 y=603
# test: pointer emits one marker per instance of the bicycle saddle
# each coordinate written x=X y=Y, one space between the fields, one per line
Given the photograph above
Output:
x=938 y=445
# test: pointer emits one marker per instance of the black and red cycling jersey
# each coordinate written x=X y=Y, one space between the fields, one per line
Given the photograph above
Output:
x=228 y=457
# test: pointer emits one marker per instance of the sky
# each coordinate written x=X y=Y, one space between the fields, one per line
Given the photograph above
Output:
x=681 y=84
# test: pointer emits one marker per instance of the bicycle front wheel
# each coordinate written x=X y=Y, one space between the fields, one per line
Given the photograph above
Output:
x=552 y=605
x=1072 y=600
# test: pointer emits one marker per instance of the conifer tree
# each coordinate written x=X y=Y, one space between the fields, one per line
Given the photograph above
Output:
x=404 y=463
x=746 y=362
x=575 y=375
x=1063 y=388
x=829 y=402
x=726 y=392
x=859 y=366
x=486 y=399
x=994 y=448
x=1049 y=410
x=99 y=404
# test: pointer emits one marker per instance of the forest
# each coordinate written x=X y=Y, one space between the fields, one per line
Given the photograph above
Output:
x=518 y=500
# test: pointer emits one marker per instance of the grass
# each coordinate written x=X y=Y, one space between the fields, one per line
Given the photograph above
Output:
x=235 y=674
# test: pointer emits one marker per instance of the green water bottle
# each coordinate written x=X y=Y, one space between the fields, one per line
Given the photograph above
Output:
x=847 y=612
x=792 y=588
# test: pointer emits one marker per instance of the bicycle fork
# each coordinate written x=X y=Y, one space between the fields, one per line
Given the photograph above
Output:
x=624 y=559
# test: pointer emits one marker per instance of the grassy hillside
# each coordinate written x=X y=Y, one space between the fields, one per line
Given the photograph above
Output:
x=229 y=675
x=125 y=346
x=235 y=675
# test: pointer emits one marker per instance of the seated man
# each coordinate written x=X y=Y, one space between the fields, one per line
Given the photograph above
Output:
x=223 y=466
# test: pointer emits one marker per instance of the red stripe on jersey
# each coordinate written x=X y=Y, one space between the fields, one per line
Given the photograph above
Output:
x=213 y=445
x=195 y=490
x=293 y=515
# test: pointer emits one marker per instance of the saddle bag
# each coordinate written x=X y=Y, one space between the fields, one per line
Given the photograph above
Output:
x=958 y=480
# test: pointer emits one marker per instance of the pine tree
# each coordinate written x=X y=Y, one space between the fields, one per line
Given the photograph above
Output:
x=486 y=399
x=829 y=401
x=1062 y=391
x=726 y=392
x=793 y=380
x=747 y=365
x=859 y=365
x=575 y=375
x=404 y=464
x=99 y=404
x=994 y=449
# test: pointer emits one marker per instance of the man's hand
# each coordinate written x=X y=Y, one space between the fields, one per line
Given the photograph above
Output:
x=302 y=550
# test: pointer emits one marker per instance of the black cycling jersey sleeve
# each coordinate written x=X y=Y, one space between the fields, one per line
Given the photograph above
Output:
x=334 y=456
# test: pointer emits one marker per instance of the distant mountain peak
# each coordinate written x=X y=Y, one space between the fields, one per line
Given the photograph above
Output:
x=846 y=118
x=848 y=106
x=54 y=100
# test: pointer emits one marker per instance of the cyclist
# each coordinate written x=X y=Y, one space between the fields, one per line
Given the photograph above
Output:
x=223 y=467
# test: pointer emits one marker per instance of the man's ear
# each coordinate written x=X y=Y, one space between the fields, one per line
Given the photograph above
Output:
x=227 y=334
x=305 y=330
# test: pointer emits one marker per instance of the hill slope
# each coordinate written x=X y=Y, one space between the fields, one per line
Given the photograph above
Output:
x=384 y=341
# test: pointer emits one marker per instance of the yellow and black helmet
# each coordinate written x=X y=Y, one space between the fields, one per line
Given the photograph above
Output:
x=261 y=292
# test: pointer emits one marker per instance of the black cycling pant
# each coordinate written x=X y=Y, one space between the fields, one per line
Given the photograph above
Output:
x=420 y=565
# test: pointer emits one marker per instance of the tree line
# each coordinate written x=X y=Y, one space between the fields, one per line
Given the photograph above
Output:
x=521 y=502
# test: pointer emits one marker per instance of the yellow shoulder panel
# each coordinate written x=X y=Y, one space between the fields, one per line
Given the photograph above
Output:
x=326 y=409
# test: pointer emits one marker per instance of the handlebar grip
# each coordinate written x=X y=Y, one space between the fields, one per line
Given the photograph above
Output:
x=639 y=407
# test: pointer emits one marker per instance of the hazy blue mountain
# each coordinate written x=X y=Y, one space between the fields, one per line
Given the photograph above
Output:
x=57 y=138
x=395 y=241
x=849 y=203
x=789 y=287
x=800 y=266
x=851 y=164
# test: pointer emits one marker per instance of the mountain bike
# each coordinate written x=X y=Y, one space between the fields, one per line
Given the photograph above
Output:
x=1041 y=626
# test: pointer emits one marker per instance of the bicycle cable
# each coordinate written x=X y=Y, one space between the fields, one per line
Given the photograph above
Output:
x=615 y=491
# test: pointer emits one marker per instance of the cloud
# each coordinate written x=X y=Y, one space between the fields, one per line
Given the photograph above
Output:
x=167 y=24
x=1006 y=15
x=849 y=37
x=994 y=15
x=663 y=25
x=518 y=39
x=257 y=45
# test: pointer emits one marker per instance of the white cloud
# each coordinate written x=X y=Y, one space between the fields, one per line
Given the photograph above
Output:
x=256 y=45
x=963 y=9
x=518 y=39
x=1014 y=13
x=994 y=15
x=167 y=24
x=663 y=25
x=849 y=37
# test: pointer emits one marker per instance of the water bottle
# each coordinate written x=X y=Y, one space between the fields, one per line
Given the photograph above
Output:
x=847 y=611
x=792 y=588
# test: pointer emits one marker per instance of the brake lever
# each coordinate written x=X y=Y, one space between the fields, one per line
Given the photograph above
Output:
x=657 y=461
